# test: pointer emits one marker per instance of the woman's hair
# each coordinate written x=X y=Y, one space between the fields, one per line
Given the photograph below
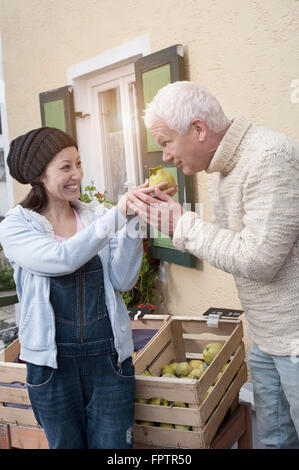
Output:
x=178 y=103
x=36 y=199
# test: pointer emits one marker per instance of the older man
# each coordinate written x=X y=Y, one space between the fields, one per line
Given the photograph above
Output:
x=254 y=235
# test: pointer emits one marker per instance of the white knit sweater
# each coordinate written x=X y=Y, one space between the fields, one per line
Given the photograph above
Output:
x=254 y=191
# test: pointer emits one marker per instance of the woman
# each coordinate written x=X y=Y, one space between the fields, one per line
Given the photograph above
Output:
x=70 y=261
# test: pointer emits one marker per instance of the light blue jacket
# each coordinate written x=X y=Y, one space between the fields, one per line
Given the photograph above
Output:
x=28 y=242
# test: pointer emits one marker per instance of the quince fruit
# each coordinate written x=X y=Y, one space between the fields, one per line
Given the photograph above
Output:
x=160 y=175
x=195 y=363
x=141 y=400
x=183 y=427
x=167 y=369
x=158 y=401
x=211 y=350
x=182 y=369
x=179 y=404
x=196 y=373
x=169 y=375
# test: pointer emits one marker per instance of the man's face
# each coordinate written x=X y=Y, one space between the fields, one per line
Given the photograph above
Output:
x=183 y=150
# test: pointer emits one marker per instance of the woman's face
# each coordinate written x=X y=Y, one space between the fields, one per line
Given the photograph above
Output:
x=63 y=175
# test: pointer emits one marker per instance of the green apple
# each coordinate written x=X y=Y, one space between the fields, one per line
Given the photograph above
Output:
x=166 y=425
x=196 y=373
x=146 y=423
x=195 y=363
x=147 y=372
x=182 y=369
x=211 y=350
x=160 y=175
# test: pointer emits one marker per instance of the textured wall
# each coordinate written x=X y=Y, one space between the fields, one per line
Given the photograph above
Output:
x=245 y=51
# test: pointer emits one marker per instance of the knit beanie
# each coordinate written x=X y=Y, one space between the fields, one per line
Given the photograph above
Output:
x=29 y=154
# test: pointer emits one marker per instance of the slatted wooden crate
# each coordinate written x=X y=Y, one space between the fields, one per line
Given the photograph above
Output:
x=180 y=339
x=18 y=426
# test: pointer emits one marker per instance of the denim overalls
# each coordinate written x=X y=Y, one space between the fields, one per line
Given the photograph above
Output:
x=88 y=402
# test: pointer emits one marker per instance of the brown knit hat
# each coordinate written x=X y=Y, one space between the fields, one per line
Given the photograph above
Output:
x=29 y=154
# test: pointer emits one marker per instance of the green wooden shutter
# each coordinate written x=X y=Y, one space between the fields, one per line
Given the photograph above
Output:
x=152 y=73
x=57 y=109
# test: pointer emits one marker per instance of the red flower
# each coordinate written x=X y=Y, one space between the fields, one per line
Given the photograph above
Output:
x=100 y=195
x=150 y=307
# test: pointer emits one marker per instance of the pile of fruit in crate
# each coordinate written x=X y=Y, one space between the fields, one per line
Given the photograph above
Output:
x=192 y=369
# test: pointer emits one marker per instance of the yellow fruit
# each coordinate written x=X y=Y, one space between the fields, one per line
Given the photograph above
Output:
x=224 y=367
x=141 y=400
x=159 y=175
x=217 y=378
x=179 y=404
x=169 y=375
x=147 y=372
x=146 y=423
x=182 y=369
x=158 y=401
x=211 y=350
x=183 y=427
x=173 y=366
x=195 y=363
x=196 y=373
x=207 y=392
x=167 y=369
x=166 y=425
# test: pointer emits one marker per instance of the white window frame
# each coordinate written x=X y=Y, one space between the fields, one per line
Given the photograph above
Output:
x=120 y=77
x=87 y=78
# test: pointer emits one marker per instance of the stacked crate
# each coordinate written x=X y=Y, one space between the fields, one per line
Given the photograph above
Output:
x=208 y=400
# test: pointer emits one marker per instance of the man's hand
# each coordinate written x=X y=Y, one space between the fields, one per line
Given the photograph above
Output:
x=161 y=212
x=123 y=202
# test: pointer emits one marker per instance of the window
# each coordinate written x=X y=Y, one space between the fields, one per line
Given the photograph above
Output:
x=2 y=166
x=153 y=72
x=114 y=118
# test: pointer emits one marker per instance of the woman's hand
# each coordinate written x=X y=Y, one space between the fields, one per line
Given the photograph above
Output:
x=162 y=211
x=123 y=206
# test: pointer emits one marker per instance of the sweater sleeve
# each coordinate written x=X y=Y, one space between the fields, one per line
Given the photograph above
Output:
x=126 y=253
x=270 y=224
x=41 y=255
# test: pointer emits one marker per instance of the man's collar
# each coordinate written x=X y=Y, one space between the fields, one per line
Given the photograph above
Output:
x=225 y=156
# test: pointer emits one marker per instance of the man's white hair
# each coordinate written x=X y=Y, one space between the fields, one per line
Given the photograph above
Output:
x=178 y=103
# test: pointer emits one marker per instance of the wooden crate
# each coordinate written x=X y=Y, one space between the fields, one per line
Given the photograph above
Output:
x=18 y=427
x=179 y=339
